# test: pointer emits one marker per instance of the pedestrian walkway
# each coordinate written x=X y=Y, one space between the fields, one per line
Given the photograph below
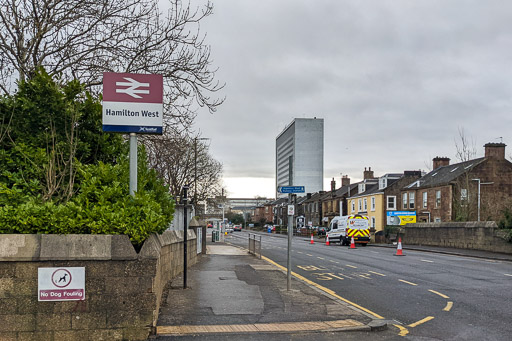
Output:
x=232 y=292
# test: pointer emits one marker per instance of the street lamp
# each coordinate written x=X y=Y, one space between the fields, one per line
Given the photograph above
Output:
x=480 y=183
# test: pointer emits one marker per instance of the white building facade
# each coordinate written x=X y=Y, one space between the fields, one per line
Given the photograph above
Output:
x=300 y=155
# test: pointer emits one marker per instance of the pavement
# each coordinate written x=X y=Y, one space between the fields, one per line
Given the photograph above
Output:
x=231 y=292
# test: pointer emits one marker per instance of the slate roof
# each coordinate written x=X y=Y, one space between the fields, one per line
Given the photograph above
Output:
x=445 y=174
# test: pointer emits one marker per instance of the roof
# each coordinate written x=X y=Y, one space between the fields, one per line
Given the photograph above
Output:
x=446 y=174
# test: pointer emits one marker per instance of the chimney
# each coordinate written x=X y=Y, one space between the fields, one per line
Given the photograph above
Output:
x=368 y=174
x=440 y=162
x=308 y=195
x=345 y=180
x=495 y=151
x=333 y=185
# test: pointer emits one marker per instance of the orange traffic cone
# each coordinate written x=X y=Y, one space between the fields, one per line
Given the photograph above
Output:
x=352 y=243
x=399 y=248
x=327 y=241
x=312 y=241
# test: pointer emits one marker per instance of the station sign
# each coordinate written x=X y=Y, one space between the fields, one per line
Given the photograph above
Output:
x=291 y=189
x=133 y=103
x=61 y=284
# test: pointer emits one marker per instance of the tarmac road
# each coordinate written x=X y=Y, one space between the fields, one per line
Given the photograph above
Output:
x=429 y=296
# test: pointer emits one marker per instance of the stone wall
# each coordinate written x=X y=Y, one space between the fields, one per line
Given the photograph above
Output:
x=123 y=289
x=467 y=235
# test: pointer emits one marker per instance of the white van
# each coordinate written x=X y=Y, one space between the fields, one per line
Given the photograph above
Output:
x=343 y=228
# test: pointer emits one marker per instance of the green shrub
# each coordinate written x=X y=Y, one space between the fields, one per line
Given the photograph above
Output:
x=101 y=206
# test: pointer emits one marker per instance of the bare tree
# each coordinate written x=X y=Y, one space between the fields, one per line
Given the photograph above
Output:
x=83 y=39
x=180 y=160
x=466 y=149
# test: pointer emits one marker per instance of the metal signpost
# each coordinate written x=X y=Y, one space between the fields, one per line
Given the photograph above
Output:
x=133 y=103
x=291 y=213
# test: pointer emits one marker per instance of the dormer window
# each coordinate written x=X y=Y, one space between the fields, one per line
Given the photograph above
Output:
x=383 y=183
x=361 y=188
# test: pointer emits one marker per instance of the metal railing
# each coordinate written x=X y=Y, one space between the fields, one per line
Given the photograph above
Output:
x=255 y=245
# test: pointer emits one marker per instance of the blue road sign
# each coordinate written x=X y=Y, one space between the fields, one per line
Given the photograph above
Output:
x=291 y=189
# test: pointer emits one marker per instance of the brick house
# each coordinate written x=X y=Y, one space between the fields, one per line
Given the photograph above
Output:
x=472 y=190
x=264 y=212
x=313 y=208
x=334 y=202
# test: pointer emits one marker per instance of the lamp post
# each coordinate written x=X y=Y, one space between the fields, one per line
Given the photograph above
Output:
x=185 y=220
x=479 y=184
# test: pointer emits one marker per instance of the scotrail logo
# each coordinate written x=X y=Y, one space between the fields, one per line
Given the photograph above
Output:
x=133 y=87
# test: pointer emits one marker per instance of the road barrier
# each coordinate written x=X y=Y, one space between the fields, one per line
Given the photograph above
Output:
x=255 y=245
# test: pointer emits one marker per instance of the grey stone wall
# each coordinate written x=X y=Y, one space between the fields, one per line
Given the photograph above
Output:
x=123 y=289
x=466 y=235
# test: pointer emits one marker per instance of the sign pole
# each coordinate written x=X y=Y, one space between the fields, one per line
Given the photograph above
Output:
x=133 y=164
x=289 y=258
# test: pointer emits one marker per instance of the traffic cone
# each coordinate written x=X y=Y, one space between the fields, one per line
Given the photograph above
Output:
x=327 y=241
x=399 y=248
x=312 y=241
x=352 y=243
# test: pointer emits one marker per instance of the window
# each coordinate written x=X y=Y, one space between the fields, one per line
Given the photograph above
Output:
x=391 y=200
x=424 y=199
x=353 y=205
x=373 y=203
x=438 y=199
x=359 y=206
x=361 y=188
x=411 y=200
x=437 y=220
x=404 y=201
x=365 y=204
x=383 y=183
x=373 y=222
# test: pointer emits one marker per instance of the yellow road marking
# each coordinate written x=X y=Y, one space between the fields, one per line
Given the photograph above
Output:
x=449 y=306
x=307 y=254
x=403 y=331
x=351 y=266
x=401 y=280
x=330 y=260
x=324 y=289
x=426 y=319
x=320 y=258
x=373 y=272
x=438 y=293
x=364 y=276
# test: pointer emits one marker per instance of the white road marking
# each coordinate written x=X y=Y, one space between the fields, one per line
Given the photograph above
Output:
x=428 y=261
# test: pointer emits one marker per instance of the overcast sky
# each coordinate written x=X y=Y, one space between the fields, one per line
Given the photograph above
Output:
x=393 y=80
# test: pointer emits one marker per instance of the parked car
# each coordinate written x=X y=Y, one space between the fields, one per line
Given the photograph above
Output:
x=321 y=231
x=237 y=228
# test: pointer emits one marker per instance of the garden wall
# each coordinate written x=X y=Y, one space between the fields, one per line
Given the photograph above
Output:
x=464 y=235
x=123 y=289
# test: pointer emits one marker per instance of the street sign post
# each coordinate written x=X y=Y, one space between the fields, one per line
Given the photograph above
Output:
x=291 y=189
x=133 y=103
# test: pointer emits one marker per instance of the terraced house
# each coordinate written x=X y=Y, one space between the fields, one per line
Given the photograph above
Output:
x=473 y=190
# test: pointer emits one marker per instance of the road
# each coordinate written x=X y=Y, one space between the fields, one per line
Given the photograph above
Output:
x=429 y=296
